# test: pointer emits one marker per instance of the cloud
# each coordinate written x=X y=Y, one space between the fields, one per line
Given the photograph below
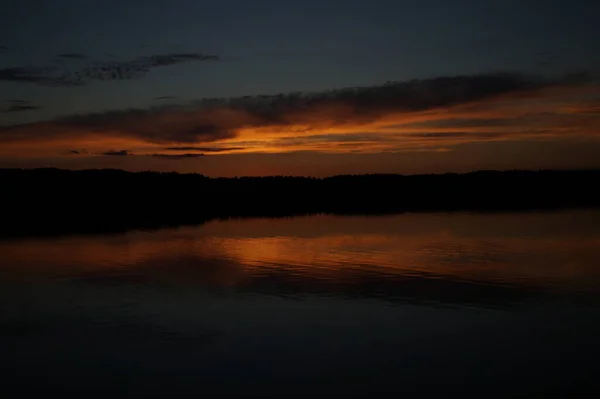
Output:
x=3 y=48
x=204 y=149
x=376 y=142
x=82 y=151
x=120 y=153
x=453 y=135
x=99 y=71
x=345 y=137
x=393 y=116
x=163 y=125
x=18 y=106
x=584 y=107
x=176 y=156
x=73 y=56
x=164 y=98
x=135 y=68
x=173 y=58
x=462 y=123
x=41 y=75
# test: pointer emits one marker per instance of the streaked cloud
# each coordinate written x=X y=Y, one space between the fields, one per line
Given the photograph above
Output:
x=73 y=56
x=204 y=149
x=119 y=153
x=164 y=98
x=176 y=156
x=42 y=75
x=416 y=115
x=79 y=151
x=18 y=106
x=56 y=76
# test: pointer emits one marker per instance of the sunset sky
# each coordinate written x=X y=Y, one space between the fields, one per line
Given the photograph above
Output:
x=314 y=87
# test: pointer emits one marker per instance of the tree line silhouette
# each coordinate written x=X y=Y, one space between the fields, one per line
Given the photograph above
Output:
x=56 y=201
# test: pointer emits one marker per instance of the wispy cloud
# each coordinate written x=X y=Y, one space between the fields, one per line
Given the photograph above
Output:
x=176 y=156
x=204 y=149
x=390 y=117
x=164 y=98
x=18 y=106
x=81 y=151
x=120 y=153
x=98 y=71
x=127 y=153
x=73 y=56
x=42 y=75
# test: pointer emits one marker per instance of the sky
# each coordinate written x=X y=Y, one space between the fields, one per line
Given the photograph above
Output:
x=314 y=87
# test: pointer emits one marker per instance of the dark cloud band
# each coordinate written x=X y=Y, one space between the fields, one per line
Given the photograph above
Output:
x=216 y=119
x=120 y=153
x=177 y=156
x=204 y=149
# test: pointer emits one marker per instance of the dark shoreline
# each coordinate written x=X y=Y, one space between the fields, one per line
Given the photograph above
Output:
x=51 y=202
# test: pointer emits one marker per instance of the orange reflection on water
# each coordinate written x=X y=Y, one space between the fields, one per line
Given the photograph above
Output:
x=546 y=249
x=511 y=260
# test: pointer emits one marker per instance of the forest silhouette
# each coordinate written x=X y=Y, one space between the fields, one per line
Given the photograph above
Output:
x=57 y=201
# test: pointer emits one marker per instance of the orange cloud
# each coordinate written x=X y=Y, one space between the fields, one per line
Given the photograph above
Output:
x=419 y=115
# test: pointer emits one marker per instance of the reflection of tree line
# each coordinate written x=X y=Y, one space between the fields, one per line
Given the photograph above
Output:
x=53 y=201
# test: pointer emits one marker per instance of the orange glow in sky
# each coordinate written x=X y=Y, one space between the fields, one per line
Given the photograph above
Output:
x=545 y=115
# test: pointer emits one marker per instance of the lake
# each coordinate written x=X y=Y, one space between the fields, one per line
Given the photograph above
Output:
x=422 y=304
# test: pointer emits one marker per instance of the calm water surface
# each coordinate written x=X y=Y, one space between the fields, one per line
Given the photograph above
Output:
x=482 y=305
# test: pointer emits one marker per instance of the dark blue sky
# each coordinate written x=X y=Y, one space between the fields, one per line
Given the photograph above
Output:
x=270 y=46
x=277 y=46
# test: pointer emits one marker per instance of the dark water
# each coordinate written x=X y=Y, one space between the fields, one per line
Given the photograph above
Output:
x=450 y=305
